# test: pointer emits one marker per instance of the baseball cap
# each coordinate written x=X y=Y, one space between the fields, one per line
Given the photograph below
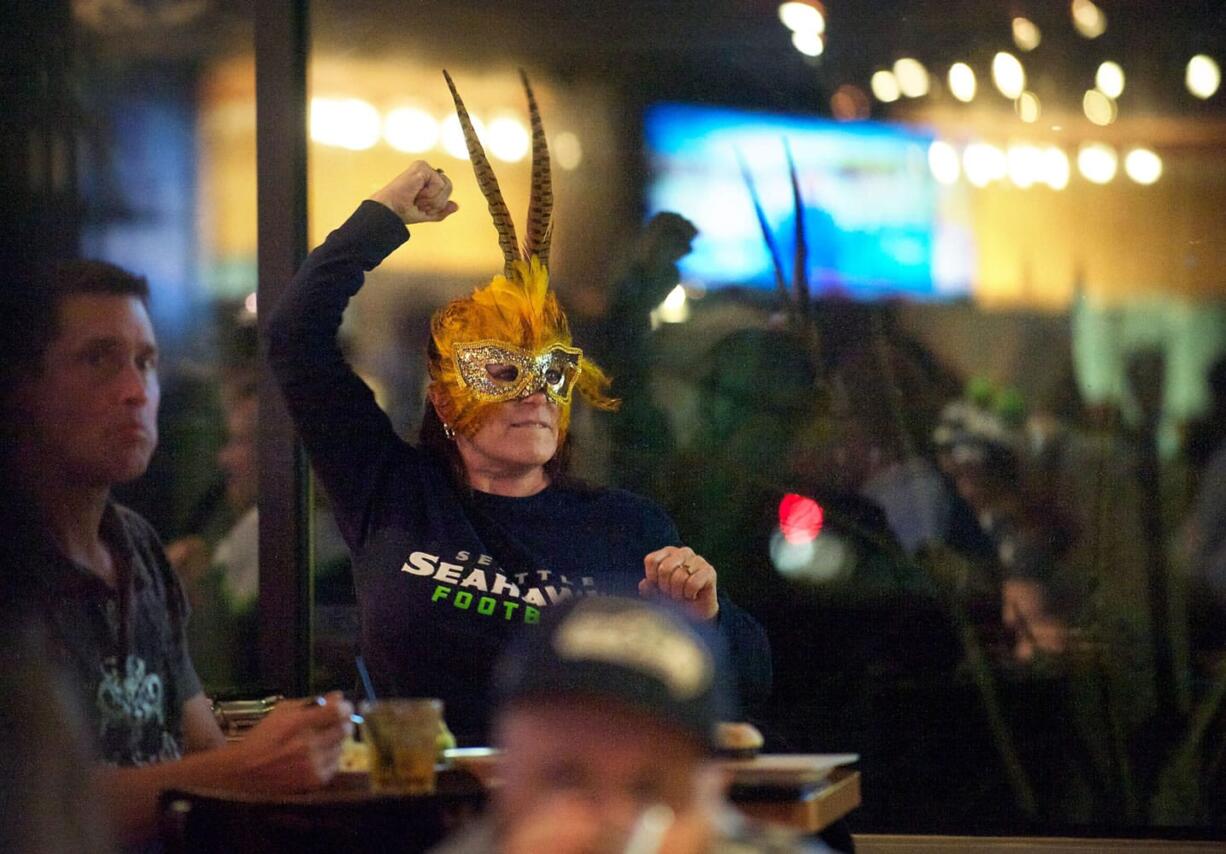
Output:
x=643 y=654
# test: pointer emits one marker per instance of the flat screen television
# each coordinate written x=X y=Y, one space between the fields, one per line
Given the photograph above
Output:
x=877 y=222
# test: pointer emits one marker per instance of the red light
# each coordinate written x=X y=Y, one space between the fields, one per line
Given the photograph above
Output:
x=800 y=518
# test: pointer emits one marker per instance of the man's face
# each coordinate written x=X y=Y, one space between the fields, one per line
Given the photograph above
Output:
x=596 y=762
x=91 y=414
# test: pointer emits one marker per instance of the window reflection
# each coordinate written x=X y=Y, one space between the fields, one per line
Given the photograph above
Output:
x=164 y=122
x=967 y=488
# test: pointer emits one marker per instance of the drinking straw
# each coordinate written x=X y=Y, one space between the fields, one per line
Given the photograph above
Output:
x=367 y=685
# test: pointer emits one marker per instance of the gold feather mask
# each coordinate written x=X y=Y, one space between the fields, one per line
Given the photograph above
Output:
x=510 y=338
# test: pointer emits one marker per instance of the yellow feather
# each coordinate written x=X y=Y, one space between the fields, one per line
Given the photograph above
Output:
x=521 y=311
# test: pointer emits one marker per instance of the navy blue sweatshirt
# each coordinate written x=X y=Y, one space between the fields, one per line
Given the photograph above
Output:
x=444 y=574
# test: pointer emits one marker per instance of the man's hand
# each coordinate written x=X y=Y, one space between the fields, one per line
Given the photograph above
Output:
x=666 y=239
x=297 y=747
x=420 y=193
x=190 y=557
x=677 y=573
x=1024 y=610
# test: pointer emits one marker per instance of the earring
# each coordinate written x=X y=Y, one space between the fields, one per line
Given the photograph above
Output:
x=449 y=431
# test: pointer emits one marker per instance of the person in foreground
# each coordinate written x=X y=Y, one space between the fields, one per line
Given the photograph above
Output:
x=606 y=721
x=477 y=530
x=79 y=399
x=47 y=806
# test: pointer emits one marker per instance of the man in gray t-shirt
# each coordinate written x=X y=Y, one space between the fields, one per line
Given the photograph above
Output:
x=125 y=643
x=78 y=414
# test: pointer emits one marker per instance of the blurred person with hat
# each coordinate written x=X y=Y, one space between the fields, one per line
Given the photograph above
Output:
x=606 y=718
x=980 y=446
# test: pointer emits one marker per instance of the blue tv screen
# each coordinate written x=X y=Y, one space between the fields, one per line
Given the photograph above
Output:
x=873 y=213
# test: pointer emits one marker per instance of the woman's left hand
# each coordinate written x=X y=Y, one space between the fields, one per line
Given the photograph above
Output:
x=677 y=573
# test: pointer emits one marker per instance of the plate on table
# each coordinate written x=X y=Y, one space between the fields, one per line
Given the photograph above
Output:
x=786 y=769
x=481 y=762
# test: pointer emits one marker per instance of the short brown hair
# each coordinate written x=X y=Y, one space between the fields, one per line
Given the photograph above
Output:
x=30 y=308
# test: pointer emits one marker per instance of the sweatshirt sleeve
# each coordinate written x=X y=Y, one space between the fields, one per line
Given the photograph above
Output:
x=348 y=438
x=749 y=651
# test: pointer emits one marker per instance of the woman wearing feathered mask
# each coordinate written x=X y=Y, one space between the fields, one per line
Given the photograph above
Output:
x=467 y=536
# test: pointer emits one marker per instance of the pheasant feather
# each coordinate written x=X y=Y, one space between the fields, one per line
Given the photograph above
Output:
x=488 y=182
x=800 y=277
x=539 y=228
x=767 y=235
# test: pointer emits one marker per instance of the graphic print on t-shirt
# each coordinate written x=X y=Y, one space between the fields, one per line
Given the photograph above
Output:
x=475 y=583
x=132 y=714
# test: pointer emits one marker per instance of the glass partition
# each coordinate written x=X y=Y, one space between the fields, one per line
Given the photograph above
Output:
x=162 y=127
x=918 y=317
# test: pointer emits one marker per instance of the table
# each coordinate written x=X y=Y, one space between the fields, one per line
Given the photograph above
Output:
x=343 y=817
x=807 y=792
x=811 y=811
x=346 y=817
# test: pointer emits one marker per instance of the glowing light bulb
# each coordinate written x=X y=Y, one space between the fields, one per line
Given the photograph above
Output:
x=410 y=130
x=452 y=135
x=983 y=164
x=962 y=84
x=1143 y=166
x=508 y=140
x=885 y=86
x=1203 y=76
x=1098 y=108
x=1028 y=107
x=808 y=42
x=943 y=162
x=1055 y=168
x=344 y=123
x=1088 y=19
x=1008 y=75
x=1025 y=164
x=802 y=17
x=912 y=77
x=1026 y=34
x=1109 y=79
x=1097 y=162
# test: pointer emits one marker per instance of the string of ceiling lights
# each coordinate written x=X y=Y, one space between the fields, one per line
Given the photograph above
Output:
x=1022 y=164
x=358 y=125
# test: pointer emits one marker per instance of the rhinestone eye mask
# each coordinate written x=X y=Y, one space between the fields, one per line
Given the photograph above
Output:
x=509 y=338
x=495 y=371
